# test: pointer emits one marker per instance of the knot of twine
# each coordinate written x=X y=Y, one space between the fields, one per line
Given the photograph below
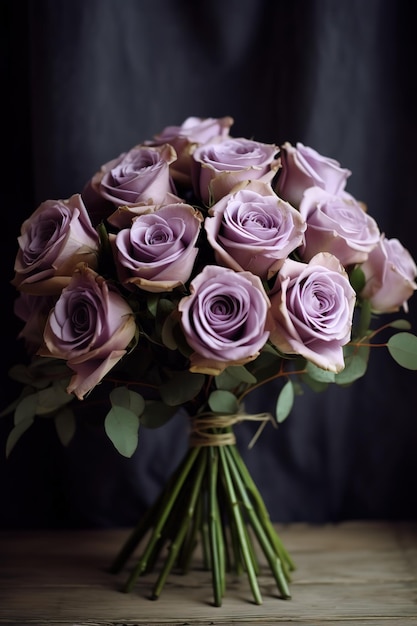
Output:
x=209 y=429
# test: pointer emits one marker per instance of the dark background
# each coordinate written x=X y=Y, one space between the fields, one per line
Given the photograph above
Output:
x=84 y=80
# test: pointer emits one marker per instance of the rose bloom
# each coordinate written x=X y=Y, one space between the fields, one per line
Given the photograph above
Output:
x=337 y=224
x=219 y=166
x=139 y=175
x=90 y=328
x=390 y=273
x=302 y=167
x=123 y=216
x=312 y=305
x=252 y=229
x=192 y=132
x=224 y=319
x=158 y=252
x=53 y=240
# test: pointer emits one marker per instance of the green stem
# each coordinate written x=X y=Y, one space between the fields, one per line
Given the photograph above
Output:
x=238 y=520
x=184 y=525
x=263 y=513
x=215 y=528
x=156 y=534
x=273 y=560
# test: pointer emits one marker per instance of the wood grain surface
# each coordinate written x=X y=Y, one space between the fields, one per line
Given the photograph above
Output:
x=353 y=573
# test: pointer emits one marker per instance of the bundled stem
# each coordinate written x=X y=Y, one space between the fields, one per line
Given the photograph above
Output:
x=212 y=497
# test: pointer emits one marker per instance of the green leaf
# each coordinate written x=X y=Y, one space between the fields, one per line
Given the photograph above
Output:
x=183 y=386
x=400 y=324
x=357 y=279
x=241 y=374
x=314 y=385
x=223 y=401
x=16 y=433
x=225 y=380
x=403 y=349
x=285 y=402
x=26 y=409
x=319 y=374
x=127 y=399
x=65 y=425
x=167 y=333
x=53 y=397
x=356 y=364
x=156 y=414
x=121 y=426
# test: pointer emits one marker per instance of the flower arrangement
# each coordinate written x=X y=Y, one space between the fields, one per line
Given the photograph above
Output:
x=191 y=270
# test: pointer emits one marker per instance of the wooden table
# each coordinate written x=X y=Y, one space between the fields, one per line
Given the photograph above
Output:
x=352 y=573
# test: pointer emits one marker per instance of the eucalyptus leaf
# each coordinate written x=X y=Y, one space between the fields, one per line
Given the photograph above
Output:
x=319 y=374
x=285 y=402
x=223 y=401
x=241 y=374
x=156 y=414
x=127 y=399
x=315 y=385
x=122 y=426
x=403 y=349
x=400 y=324
x=65 y=425
x=357 y=279
x=167 y=333
x=15 y=434
x=225 y=380
x=356 y=364
x=182 y=387
x=53 y=397
x=26 y=409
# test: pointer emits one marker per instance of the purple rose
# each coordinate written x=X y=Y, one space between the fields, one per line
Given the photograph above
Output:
x=53 y=240
x=302 y=167
x=139 y=175
x=219 y=166
x=252 y=229
x=192 y=132
x=390 y=273
x=90 y=327
x=337 y=224
x=123 y=216
x=224 y=319
x=312 y=305
x=158 y=251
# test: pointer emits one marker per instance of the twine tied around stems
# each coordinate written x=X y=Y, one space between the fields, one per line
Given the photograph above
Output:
x=210 y=429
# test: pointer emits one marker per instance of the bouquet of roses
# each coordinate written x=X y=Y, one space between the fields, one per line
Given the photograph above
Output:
x=191 y=270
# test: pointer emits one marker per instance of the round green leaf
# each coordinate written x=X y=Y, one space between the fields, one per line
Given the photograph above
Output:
x=183 y=386
x=356 y=364
x=403 y=349
x=121 y=426
x=223 y=401
x=128 y=399
x=285 y=402
x=319 y=374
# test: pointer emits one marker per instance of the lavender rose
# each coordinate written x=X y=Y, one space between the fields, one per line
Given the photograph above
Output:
x=219 y=166
x=337 y=224
x=53 y=240
x=252 y=229
x=312 y=305
x=224 y=319
x=302 y=167
x=90 y=327
x=141 y=174
x=184 y=139
x=390 y=273
x=158 y=252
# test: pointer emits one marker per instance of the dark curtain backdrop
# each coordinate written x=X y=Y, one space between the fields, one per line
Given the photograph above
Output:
x=85 y=80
